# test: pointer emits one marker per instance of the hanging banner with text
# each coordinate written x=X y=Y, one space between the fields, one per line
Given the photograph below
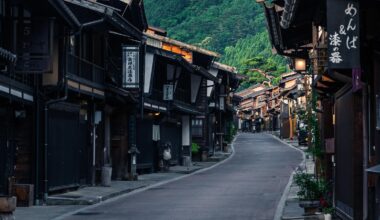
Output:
x=343 y=28
x=131 y=57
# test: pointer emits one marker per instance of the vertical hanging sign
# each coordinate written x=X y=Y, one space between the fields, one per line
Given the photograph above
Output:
x=168 y=92
x=131 y=62
x=343 y=27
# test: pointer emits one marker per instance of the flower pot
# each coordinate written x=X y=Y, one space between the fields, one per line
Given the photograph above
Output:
x=106 y=175
x=328 y=217
x=310 y=207
x=204 y=155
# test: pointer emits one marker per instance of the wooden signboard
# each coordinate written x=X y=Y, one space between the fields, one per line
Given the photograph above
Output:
x=343 y=27
x=131 y=62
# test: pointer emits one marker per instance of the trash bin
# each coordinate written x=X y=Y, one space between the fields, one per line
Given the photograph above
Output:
x=106 y=175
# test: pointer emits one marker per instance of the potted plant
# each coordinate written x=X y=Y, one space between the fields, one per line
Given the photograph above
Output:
x=195 y=150
x=311 y=190
x=328 y=212
x=327 y=206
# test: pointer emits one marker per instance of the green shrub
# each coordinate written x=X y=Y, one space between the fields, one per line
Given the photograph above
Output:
x=311 y=188
x=231 y=132
x=195 y=148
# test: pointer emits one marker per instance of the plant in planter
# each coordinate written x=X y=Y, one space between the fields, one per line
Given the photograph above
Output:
x=328 y=212
x=327 y=206
x=195 y=148
x=311 y=190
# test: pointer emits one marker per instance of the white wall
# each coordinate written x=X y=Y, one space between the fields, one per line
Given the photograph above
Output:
x=186 y=130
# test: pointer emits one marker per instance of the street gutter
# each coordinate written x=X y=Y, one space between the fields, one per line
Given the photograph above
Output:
x=145 y=188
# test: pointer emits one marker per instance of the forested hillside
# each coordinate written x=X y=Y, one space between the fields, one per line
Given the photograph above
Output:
x=234 y=28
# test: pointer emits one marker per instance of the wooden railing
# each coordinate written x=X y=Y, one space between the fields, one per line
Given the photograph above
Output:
x=85 y=69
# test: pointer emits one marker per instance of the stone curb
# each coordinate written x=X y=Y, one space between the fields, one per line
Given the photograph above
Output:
x=147 y=187
x=281 y=205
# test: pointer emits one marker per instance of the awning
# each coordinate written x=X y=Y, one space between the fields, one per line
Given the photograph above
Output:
x=171 y=56
x=287 y=42
x=89 y=12
x=116 y=94
x=7 y=55
x=186 y=108
x=133 y=11
x=326 y=84
x=374 y=169
x=273 y=27
x=65 y=12
x=288 y=13
x=183 y=62
x=205 y=73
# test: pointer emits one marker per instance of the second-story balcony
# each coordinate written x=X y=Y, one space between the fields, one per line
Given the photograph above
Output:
x=85 y=69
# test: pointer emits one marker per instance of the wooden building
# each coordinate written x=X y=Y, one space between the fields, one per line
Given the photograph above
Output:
x=251 y=107
x=18 y=133
x=219 y=124
x=57 y=59
x=173 y=95
x=85 y=83
x=339 y=41
x=273 y=112
x=292 y=99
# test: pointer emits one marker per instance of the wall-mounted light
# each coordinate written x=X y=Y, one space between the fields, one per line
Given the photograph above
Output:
x=299 y=64
x=157 y=114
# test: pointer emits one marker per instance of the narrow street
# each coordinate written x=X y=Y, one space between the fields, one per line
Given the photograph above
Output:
x=248 y=186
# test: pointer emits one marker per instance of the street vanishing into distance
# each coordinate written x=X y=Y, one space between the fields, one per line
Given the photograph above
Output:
x=247 y=186
x=189 y=109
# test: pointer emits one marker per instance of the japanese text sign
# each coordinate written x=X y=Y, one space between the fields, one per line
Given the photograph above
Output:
x=343 y=27
x=168 y=92
x=131 y=67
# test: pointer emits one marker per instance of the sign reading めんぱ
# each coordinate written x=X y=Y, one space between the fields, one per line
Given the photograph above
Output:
x=343 y=26
x=131 y=67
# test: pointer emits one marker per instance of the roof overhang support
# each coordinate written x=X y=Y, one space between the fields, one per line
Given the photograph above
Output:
x=288 y=13
x=66 y=13
x=107 y=13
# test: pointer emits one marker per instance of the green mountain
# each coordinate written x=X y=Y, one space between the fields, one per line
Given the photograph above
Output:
x=234 y=28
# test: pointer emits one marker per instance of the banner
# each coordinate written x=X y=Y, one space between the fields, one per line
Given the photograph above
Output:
x=131 y=62
x=343 y=27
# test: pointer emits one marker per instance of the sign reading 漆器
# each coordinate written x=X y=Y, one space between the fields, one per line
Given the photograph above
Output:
x=343 y=27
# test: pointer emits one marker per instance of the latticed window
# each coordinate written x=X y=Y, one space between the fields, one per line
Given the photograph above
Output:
x=197 y=127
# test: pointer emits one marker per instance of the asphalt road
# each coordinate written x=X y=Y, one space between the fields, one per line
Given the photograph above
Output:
x=248 y=186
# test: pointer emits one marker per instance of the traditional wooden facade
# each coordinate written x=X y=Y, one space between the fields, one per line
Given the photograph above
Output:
x=219 y=123
x=85 y=83
x=61 y=61
x=17 y=97
x=292 y=99
x=338 y=39
x=174 y=96
x=273 y=112
x=251 y=107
